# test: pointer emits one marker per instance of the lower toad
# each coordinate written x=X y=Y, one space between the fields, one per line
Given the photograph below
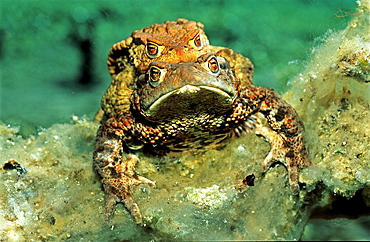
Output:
x=189 y=106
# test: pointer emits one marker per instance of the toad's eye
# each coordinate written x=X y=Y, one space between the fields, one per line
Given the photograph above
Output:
x=156 y=76
x=213 y=65
x=196 y=42
x=153 y=50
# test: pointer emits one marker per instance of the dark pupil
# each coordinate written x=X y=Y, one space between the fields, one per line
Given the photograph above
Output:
x=197 y=41
x=152 y=49
x=213 y=65
x=155 y=74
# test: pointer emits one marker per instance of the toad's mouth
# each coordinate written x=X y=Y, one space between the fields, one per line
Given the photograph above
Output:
x=189 y=101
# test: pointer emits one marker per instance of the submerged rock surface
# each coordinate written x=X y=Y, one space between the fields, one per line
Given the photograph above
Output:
x=197 y=196
x=333 y=98
x=51 y=192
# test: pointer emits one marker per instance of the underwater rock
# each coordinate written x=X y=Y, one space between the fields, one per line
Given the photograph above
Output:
x=59 y=196
x=197 y=196
x=333 y=98
x=50 y=192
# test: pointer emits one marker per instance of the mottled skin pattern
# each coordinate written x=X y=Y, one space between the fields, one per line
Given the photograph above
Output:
x=173 y=42
x=170 y=111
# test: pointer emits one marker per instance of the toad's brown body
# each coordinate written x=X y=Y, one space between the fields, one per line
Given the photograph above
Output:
x=186 y=106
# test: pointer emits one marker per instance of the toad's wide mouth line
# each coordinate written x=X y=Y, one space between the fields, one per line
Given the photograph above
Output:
x=190 y=90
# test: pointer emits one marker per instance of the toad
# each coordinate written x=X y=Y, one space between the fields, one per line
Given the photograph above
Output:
x=186 y=106
x=173 y=42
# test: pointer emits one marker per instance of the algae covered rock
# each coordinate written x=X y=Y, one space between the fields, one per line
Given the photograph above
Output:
x=197 y=196
x=58 y=197
x=333 y=98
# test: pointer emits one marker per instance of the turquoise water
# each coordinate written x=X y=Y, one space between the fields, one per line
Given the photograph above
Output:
x=41 y=57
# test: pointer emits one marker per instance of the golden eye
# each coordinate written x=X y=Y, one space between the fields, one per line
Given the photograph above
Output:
x=156 y=76
x=196 y=42
x=213 y=65
x=153 y=50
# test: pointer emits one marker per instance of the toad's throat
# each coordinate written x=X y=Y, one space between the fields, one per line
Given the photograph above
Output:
x=190 y=101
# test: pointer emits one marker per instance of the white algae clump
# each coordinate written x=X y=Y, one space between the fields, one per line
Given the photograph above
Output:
x=209 y=197
x=50 y=191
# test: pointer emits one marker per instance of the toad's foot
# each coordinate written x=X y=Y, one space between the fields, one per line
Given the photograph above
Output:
x=279 y=153
x=119 y=188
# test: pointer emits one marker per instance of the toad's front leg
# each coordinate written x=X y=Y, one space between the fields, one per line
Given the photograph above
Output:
x=286 y=133
x=118 y=174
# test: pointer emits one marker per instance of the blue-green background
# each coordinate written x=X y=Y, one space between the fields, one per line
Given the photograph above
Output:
x=40 y=56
